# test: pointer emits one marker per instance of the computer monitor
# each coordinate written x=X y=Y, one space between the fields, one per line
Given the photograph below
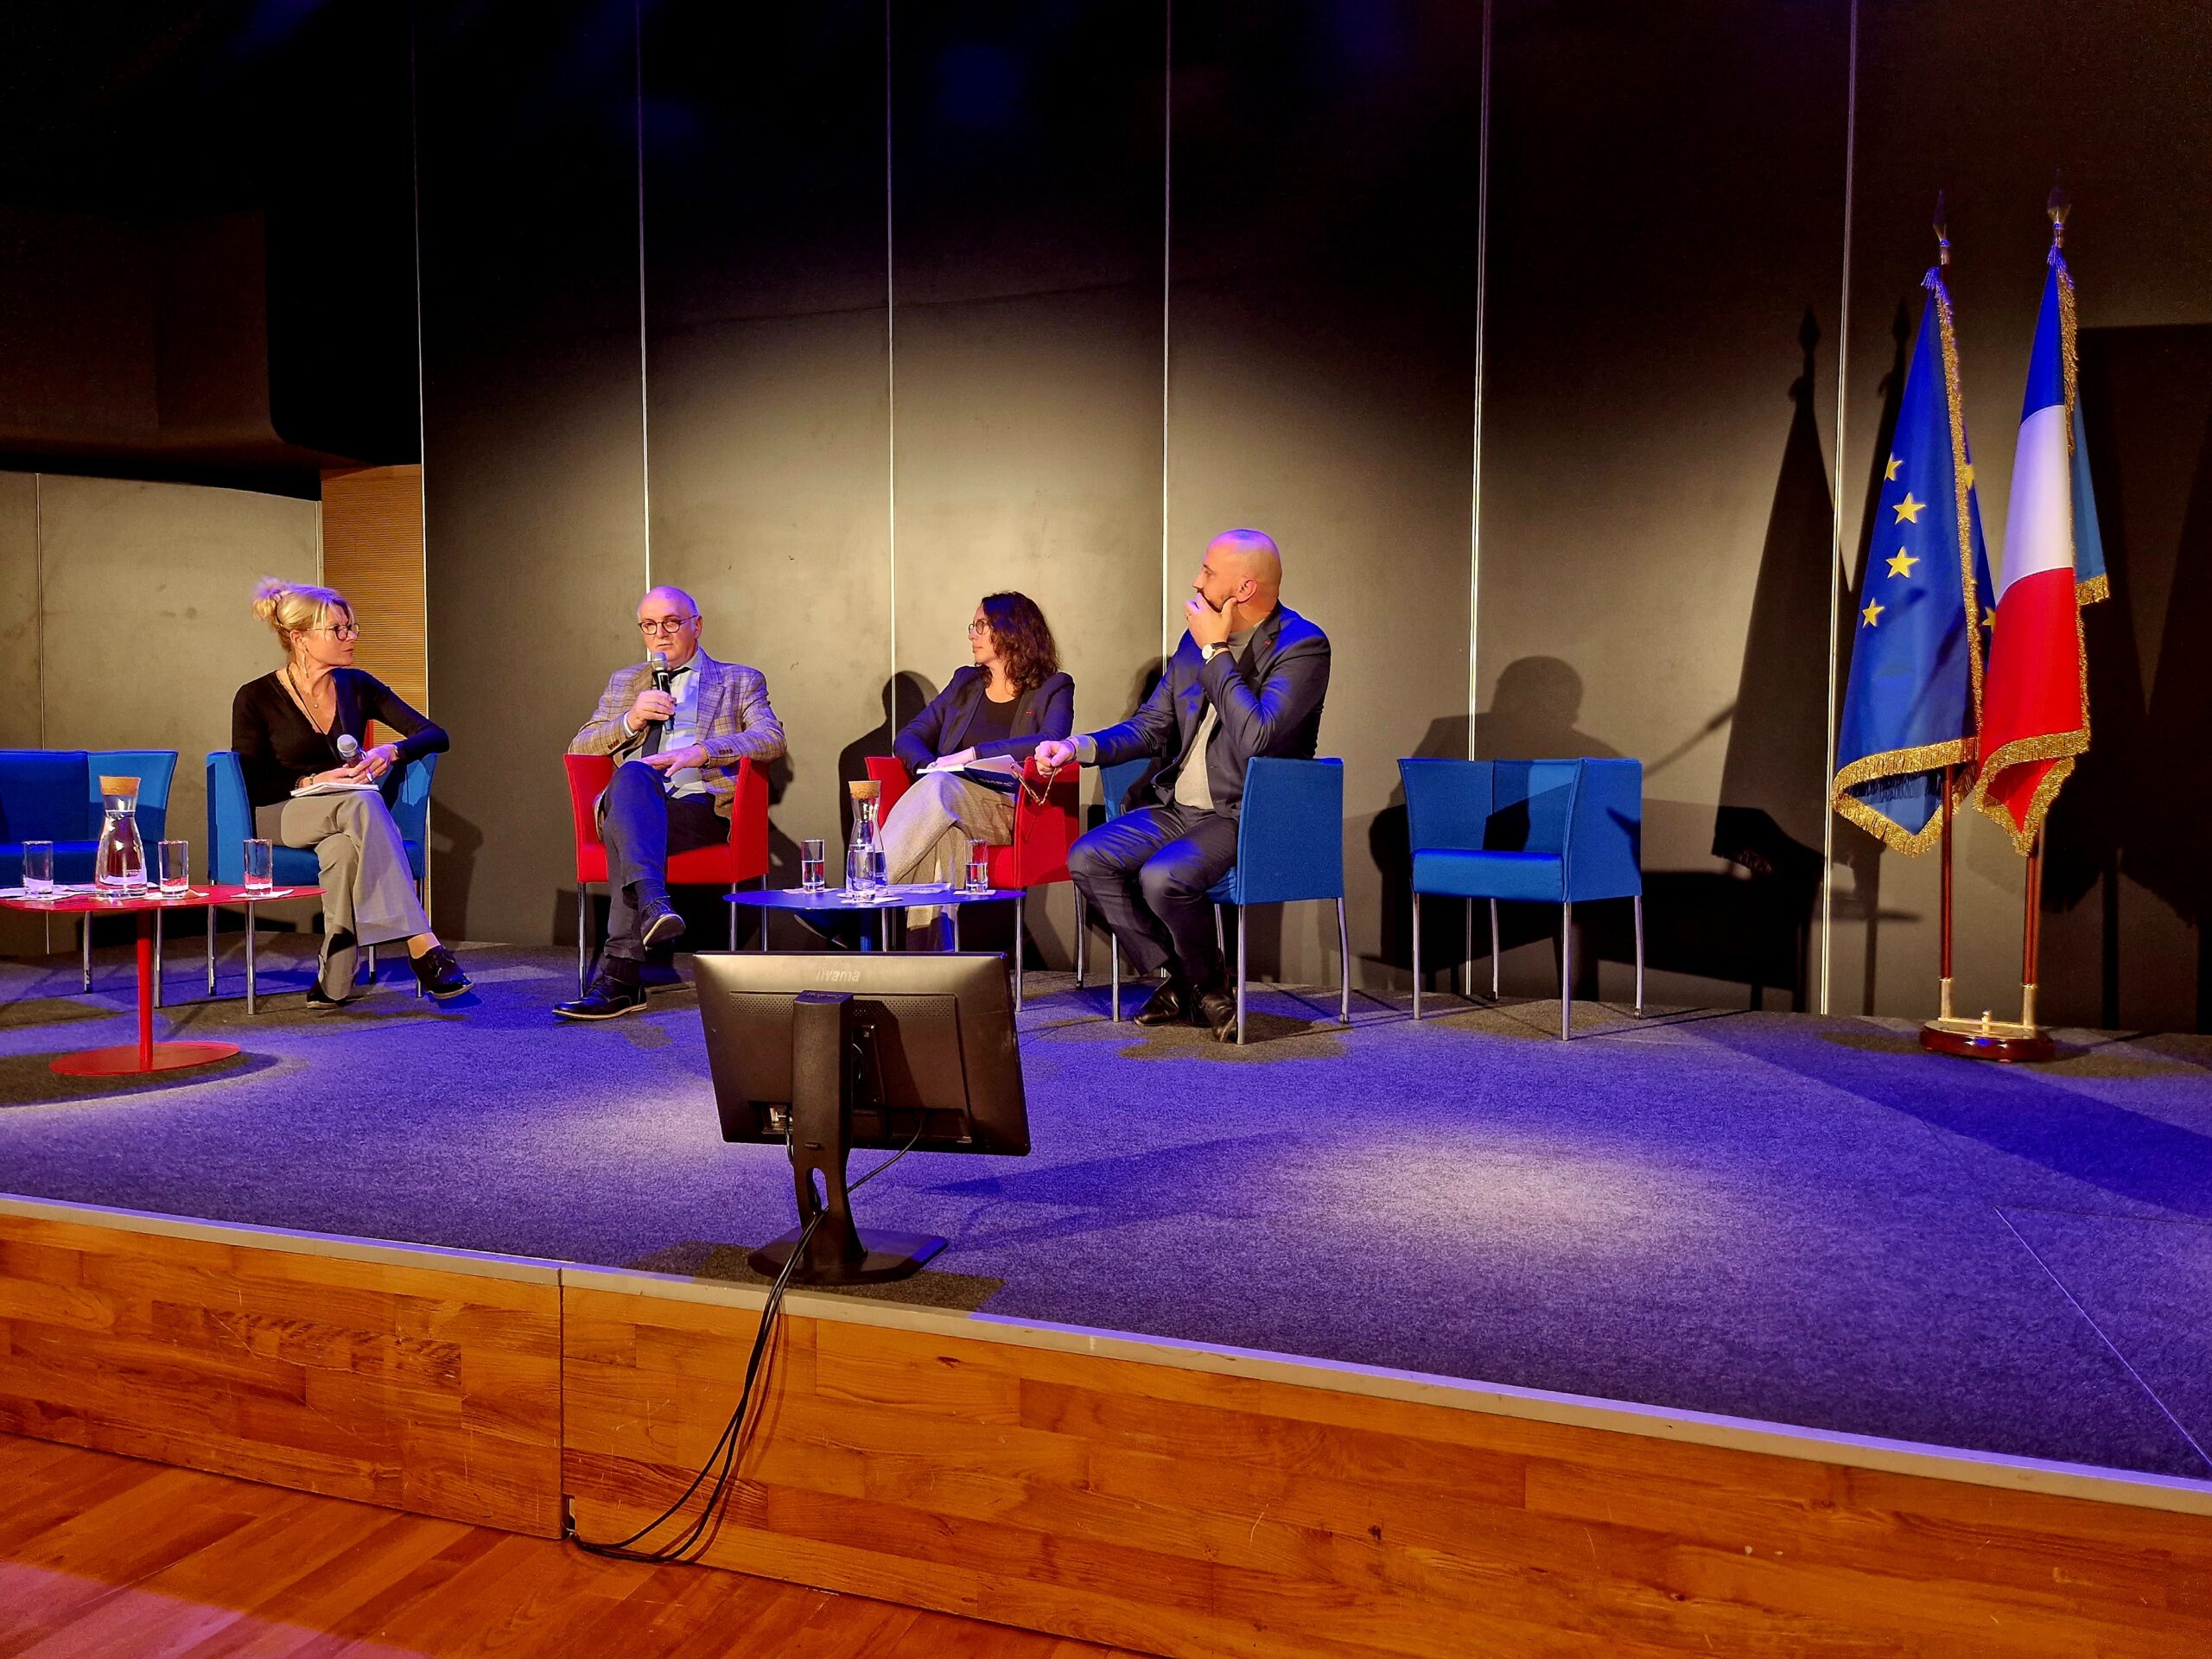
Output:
x=833 y=1049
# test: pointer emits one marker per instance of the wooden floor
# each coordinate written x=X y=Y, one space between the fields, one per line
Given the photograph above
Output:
x=107 y=1555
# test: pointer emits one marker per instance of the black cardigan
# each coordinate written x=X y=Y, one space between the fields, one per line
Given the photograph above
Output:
x=277 y=746
x=942 y=728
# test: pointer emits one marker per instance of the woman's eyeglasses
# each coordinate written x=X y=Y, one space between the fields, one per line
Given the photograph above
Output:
x=337 y=630
x=976 y=628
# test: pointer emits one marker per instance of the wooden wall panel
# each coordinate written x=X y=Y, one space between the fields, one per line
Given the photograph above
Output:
x=1190 y=1512
x=427 y=1389
x=373 y=553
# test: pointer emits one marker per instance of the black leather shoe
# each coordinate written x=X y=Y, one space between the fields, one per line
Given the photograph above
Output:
x=1217 y=1011
x=607 y=998
x=320 y=1002
x=439 y=972
x=658 y=924
x=1168 y=1005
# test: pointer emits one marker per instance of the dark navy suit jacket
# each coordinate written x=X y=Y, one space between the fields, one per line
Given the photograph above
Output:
x=1269 y=699
x=942 y=728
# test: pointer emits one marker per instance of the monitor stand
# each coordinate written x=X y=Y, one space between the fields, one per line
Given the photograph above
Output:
x=838 y=1253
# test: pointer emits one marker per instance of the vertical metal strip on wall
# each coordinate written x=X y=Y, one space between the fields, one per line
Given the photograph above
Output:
x=1838 y=576
x=644 y=408
x=890 y=376
x=1475 y=467
x=1166 y=256
x=422 y=388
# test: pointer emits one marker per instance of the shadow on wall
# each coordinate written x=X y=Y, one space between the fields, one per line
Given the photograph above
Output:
x=905 y=696
x=2135 y=802
x=1771 y=817
x=454 y=842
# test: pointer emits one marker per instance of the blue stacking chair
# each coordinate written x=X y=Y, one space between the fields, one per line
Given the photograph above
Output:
x=1290 y=846
x=1542 y=831
x=230 y=826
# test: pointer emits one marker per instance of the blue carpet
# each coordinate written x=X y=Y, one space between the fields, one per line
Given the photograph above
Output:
x=1776 y=1216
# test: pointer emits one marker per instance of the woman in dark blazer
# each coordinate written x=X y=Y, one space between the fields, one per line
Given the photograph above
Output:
x=1010 y=699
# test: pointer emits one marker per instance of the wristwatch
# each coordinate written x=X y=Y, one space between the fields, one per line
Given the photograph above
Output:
x=1213 y=651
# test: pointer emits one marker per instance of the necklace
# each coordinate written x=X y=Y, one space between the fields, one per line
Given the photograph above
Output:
x=292 y=684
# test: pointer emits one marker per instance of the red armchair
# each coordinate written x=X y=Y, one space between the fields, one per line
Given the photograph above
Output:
x=1039 y=853
x=743 y=857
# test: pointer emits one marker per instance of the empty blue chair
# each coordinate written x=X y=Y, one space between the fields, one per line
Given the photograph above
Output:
x=230 y=826
x=1290 y=846
x=1555 y=832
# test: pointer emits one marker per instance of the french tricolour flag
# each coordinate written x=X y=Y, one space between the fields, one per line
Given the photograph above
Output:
x=2035 y=713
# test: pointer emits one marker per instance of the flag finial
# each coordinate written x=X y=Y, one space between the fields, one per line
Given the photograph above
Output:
x=2058 y=206
x=1942 y=232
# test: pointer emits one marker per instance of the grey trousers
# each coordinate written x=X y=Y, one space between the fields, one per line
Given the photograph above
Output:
x=925 y=838
x=368 y=891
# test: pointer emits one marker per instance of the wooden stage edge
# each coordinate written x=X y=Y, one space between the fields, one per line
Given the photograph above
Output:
x=1167 y=1496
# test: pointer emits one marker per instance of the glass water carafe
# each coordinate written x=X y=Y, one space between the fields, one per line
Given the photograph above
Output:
x=864 y=853
x=119 y=864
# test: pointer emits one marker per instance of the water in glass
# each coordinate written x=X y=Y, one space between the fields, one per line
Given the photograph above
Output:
x=813 y=861
x=177 y=866
x=260 y=864
x=38 y=869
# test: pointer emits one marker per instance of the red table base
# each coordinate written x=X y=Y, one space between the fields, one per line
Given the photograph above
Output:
x=130 y=1059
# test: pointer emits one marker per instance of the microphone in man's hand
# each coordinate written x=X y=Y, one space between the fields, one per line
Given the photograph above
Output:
x=663 y=677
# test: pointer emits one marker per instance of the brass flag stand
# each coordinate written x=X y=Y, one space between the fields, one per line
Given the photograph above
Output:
x=1989 y=1039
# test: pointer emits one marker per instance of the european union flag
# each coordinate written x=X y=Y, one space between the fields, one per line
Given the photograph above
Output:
x=1913 y=705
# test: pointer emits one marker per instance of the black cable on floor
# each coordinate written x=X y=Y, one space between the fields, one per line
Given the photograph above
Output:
x=725 y=1446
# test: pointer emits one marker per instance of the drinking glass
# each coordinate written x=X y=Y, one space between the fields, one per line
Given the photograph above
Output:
x=38 y=869
x=177 y=866
x=260 y=865
x=979 y=867
x=813 y=864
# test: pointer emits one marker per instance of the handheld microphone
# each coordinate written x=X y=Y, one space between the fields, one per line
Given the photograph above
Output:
x=349 y=748
x=663 y=677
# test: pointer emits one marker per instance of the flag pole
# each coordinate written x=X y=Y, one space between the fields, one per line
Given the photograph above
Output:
x=2031 y=939
x=1943 y=1004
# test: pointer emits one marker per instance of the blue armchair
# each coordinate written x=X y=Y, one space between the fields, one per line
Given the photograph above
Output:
x=230 y=825
x=1290 y=846
x=1541 y=831
x=54 y=795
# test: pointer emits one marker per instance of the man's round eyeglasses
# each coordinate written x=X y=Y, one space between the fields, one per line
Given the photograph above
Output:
x=667 y=625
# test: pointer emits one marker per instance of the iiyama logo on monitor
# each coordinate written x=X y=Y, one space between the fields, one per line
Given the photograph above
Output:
x=846 y=975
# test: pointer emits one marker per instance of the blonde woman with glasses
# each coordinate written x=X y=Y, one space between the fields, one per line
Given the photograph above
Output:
x=286 y=727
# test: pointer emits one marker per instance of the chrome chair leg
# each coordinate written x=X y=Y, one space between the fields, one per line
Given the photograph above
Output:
x=85 y=936
x=1020 y=901
x=370 y=951
x=1114 y=945
x=733 y=918
x=764 y=920
x=1467 y=957
x=583 y=949
x=1416 y=953
x=1493 y=951
x=1639 y=956
x=1240 y=970
x=250 y=987
x=1220 y=942
x=1565 y=970
x=1082 y=940
x=1344 y=967
x=210 y=914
